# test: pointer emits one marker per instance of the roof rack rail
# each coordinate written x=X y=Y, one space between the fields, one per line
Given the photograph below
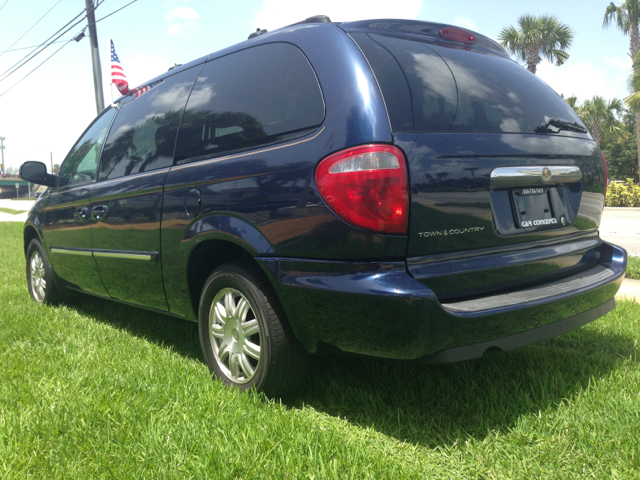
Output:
x=314 y=19
x=256 y=33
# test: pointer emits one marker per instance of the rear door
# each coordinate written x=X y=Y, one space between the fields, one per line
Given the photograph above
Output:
x=67 y=225
x=126 y=203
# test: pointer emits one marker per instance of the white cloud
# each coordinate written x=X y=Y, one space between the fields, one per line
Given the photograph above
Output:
x=279 y=13
x=619 y=62
x=465 y=23
x=585 y=80
x=175 y=28
x=186 y=18
x=184 y=13
x=144 y=67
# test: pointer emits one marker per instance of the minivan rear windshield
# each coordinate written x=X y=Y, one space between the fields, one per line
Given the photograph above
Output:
x=434 y=88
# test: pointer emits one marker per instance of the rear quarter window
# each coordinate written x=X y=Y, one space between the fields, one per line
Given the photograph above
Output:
x=257 y=96
x=435 y=88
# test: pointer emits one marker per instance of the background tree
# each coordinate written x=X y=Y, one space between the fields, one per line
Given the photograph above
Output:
x=622 y=157
x=537 y=38
x=626 y=17
x=600 y=117
x=572 y=101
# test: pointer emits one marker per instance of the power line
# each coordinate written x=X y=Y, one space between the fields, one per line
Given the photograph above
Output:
x=29 y=56
x=115 y=11
x=54 y=6
x=6 y=3
x=50 y=43
x=40 y=48
x=27 y=48
x=44 y=61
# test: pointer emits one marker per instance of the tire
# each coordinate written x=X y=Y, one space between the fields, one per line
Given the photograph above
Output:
x=40 y=276
x=244 y=336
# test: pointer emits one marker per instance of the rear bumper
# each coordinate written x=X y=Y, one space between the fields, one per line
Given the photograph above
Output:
x=379 y=309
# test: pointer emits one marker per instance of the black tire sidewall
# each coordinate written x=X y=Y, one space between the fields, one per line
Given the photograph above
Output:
x=234 y=277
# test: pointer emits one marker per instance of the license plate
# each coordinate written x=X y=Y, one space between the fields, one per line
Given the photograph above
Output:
x=533 y=208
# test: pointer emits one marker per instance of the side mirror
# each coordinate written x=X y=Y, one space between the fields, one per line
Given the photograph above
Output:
x=36 y=172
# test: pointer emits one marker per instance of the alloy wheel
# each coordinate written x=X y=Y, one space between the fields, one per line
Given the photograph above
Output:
x=235 y=335
x=38 y=281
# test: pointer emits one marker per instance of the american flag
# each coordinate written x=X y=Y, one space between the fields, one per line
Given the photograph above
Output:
x=117 y=73
x=142 y=90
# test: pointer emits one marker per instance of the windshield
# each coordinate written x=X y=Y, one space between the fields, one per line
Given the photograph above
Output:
x=434 y=88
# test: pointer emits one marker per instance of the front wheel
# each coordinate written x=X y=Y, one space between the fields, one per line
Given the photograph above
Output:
x=245 y=339
x=42 y=287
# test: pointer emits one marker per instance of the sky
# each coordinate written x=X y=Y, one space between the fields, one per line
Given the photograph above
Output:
x=43 y=115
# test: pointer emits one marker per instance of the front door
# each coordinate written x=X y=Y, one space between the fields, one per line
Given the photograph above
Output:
x=67 y=222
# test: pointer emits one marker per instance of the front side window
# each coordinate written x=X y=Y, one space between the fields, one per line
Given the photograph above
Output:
x=144 y=132
x=82 y=161
x=254 y=97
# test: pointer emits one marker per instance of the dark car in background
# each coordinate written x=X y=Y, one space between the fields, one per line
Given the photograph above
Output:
x=389 y=188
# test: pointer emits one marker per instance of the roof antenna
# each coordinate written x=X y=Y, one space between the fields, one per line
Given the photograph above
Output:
x=256 y=33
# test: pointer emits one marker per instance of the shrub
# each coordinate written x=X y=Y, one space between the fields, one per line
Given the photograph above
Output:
x=619 y=195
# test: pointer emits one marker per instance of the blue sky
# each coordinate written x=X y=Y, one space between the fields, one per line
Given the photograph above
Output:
x=48 y=111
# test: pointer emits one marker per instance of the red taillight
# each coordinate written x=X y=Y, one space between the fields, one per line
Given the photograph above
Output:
x=457 y=34
x=606 y=178
x=367 y=187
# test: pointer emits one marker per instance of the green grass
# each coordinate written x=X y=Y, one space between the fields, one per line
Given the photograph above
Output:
x=11 y=211
x=633 y=267
x=93 y=389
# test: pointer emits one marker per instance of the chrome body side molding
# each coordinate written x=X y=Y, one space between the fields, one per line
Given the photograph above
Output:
x=146 y=256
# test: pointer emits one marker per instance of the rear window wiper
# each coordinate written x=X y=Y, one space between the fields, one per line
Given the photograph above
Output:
x=560 y=125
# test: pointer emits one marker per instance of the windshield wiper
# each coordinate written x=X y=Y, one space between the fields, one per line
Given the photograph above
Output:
x=560 y=125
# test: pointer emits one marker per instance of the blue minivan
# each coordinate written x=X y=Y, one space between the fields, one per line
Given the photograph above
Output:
x=389 y=188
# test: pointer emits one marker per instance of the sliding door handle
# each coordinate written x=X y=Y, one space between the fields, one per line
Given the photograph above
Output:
x=99 y=212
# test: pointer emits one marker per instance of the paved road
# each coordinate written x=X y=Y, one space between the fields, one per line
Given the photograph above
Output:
x=621 y=226
x=15 y=205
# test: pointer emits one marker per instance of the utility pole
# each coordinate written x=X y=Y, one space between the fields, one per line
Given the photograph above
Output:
x=95 y=56
x=2 y=150
x=51 y=153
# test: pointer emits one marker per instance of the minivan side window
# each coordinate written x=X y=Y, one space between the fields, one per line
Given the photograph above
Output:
x=82 y=161
x=144 y=132
x=257 y=96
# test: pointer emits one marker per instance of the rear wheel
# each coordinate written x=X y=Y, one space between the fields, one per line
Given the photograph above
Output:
x=42 y=287
x=245 y=339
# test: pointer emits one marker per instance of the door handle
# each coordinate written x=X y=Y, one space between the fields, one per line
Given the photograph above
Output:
x=99 y=212
x=81 y=215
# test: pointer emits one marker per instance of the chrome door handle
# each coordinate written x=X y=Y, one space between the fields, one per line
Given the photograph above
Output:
x=81 y=215
x=99 y=212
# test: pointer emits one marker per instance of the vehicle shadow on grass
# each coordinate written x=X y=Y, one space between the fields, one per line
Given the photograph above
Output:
x=438 y=405
x=428 y=405
x=179 y=335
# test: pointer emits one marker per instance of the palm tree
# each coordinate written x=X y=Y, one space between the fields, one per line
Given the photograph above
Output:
x=537 y=38
x=600 y=116
x=626 y=16
x=572 y=101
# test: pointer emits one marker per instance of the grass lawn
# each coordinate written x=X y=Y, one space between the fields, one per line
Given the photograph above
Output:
x=633 y=267
x=96 y=389
x=11 y=211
